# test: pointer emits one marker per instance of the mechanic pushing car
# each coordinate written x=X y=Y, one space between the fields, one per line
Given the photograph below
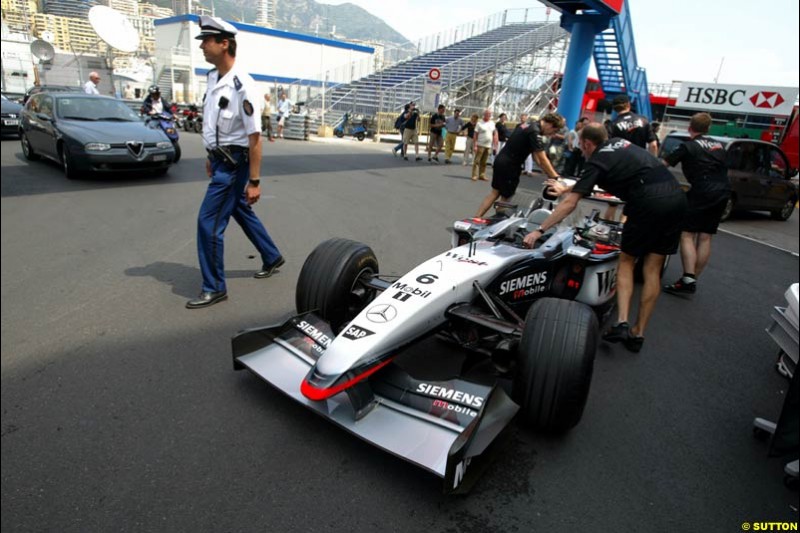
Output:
x=655 y=207
x=703 y=162
x=524 y=141
x=232 y=138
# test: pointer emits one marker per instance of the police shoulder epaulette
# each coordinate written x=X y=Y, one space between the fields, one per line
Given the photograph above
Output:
x=237 y=83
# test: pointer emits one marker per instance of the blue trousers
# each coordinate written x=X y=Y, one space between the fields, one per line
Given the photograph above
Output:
x=225 y=198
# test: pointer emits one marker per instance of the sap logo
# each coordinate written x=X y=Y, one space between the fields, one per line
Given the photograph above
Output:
x=355 y=333
x=450 y=394
x=606 y=282
x=539 y=278
x=465 y=259
x=314 y=333
x=461 y=469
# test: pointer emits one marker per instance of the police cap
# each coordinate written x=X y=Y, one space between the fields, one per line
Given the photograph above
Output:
x=215 y=26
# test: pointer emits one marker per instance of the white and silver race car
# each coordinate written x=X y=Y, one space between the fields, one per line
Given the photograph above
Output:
x=365 y=351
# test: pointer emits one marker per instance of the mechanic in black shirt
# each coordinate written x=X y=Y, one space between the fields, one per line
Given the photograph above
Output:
x=703 y=162
x=524 y=141
x=435 y=138
x=655 y=206
x=632 y=127
x=410 y=130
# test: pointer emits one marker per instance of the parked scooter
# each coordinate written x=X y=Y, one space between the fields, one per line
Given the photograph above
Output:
x=359 y=131
x=166 y=122
x=193 y=119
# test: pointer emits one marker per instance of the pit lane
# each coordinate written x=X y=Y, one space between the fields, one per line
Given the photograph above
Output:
x=120 y=408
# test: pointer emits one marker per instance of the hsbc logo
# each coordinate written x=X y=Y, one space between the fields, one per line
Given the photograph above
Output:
x=737 y=98
x=767 y=99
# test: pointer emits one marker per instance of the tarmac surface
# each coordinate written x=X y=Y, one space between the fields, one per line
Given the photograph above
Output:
x=121 y=411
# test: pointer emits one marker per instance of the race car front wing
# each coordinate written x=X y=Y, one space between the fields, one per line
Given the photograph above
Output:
x=441 y=426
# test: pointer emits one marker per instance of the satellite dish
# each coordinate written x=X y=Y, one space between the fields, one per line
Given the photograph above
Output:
x=48 y=36
x=114 y=28
x=42 y=50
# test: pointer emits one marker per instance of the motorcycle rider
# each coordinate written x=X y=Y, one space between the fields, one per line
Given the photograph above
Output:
x=154 y=104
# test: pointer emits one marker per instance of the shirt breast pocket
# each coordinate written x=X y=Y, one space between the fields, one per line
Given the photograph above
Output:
x=226 y=119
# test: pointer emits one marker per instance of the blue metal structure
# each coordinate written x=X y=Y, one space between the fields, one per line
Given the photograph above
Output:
x=602 y=29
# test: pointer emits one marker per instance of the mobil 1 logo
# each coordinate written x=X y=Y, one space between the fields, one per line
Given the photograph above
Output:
x=406 y=291
x=355 y=333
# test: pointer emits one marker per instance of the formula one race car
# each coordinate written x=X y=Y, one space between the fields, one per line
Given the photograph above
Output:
x=520 y=329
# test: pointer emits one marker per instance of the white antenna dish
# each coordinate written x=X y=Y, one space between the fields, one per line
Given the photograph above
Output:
x=48 y=36
x=114 y=28
x=42 y=50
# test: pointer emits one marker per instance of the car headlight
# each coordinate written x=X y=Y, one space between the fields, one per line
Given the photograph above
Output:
x=163 y=145
x=96 y=147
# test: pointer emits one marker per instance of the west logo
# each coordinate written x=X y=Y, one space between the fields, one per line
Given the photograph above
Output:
x=606 y=282
x=464 y=259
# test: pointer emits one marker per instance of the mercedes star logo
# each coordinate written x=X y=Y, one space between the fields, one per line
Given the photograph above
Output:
x=381 y=313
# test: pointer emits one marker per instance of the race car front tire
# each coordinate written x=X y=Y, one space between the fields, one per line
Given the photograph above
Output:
x=556 y=359
x=330 y=281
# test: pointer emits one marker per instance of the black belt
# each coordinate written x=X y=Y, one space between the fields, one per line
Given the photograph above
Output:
x=232 y=148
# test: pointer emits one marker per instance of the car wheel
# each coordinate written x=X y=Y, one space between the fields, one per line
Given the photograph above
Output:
x=556 y=359
x=67 y=163
x=177 y=147
x=785 y=212
x=332 y=281
x=726 y=213
x=27 y=149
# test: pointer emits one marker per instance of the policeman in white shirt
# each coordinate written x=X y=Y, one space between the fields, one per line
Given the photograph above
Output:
x=232 y=138
x=90 y=87
x=284 y=110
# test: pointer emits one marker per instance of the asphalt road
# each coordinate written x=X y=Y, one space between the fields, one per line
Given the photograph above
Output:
x=120 y=409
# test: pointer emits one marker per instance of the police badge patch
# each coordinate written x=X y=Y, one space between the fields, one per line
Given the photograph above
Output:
x=248 y=107
x=237 y=83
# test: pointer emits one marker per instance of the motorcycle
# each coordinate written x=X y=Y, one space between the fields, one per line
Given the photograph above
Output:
x=192 y=119
x=345 y=127
x=166 y=122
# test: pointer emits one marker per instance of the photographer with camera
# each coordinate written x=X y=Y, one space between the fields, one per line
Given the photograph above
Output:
x=410 y=132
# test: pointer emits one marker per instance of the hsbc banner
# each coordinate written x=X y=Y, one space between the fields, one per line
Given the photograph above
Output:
x=749 y=99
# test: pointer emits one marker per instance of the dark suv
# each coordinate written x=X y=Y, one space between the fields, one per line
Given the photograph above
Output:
x=760 y=175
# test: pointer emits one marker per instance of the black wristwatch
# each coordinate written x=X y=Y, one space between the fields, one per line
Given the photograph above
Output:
x=254 y=183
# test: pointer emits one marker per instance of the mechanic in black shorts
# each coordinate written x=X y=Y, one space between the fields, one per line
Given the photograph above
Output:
x=524 y=141
x=655 y=207
x=703 y=162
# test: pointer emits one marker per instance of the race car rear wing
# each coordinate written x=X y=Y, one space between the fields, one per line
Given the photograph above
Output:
x=441 y=426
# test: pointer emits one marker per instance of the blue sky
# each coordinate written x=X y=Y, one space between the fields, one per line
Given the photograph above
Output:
x=675 y=39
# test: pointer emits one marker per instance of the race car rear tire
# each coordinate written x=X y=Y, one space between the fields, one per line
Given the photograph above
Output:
x=556 y=359
x=330 y=281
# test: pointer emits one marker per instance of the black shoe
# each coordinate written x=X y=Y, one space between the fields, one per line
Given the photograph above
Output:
x=418 y=159
x=634 y=344
x=405 y=157
x=681 y=287
x=446 y=161
x=206 y=298
x=619 y=333
x=268 y=270
x=429 y=160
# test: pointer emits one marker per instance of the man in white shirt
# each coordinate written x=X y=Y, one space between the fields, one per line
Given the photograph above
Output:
x=284 y=109
x=484 y=142
x=90 y=87
x=232 y=137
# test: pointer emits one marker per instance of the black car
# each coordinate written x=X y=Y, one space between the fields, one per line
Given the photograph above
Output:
x=759 y=172
x=36 y=89
x=89 y=133
x=10 y=116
